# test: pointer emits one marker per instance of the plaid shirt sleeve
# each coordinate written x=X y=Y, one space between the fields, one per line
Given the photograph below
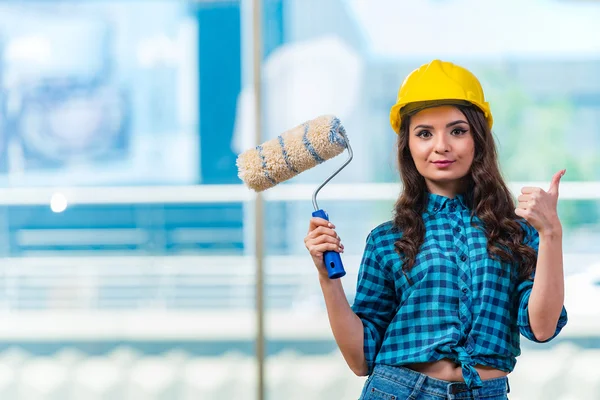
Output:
x=524 y=290
x=375 y=300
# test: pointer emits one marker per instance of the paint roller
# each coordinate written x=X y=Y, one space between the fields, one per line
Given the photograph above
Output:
x=293 y=152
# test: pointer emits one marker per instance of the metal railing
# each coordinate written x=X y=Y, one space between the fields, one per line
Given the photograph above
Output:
x=240 y=193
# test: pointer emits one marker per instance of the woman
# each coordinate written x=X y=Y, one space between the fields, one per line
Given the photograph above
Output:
x=446 y=287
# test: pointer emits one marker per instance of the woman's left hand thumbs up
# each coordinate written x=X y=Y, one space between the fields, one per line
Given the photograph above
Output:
x=538 y=207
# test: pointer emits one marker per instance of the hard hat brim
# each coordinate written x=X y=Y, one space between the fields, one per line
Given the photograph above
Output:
x=400 y=109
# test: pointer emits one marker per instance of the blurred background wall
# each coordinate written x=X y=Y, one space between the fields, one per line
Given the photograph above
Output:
x=127 y=240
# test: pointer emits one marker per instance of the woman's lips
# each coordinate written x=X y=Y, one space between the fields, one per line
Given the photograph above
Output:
x=443 y=164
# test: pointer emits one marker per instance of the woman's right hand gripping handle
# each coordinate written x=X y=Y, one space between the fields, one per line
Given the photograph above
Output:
x=322 y=237
x=347 y=328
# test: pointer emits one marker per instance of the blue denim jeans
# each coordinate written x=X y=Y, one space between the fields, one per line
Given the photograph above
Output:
x=399 y=383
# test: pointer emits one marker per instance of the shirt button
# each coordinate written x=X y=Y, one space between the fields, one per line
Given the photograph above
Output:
x=457 y=229
x=452 y=208
x=435 y=208
x=463 y=258
x=464 y=290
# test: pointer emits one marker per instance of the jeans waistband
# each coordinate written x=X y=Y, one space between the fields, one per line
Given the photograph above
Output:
x=410 y=378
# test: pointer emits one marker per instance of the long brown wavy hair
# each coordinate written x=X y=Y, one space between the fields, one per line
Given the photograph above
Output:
x=486 y=195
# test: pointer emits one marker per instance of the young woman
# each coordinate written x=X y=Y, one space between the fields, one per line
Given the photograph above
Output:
x=446 y=287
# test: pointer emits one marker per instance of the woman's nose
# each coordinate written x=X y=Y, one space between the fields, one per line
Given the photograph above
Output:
x=441 y=144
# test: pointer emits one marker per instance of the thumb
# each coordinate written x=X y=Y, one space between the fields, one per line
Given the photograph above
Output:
x=555 y=181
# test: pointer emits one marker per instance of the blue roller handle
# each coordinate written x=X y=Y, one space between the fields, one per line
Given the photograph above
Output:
x=332 y=259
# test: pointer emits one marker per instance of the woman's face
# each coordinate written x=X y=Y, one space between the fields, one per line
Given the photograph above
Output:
x=442 y=148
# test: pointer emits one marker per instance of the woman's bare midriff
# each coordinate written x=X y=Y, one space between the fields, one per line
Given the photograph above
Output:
x=449 y=371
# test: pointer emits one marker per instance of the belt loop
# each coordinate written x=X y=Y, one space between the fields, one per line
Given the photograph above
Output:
x=450 y=391
x=507 y=385
x=415 y=393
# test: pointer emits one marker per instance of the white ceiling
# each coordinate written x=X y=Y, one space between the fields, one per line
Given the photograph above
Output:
x=475 y=28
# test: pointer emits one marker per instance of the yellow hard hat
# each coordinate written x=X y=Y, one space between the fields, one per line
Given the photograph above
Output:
x=435 y=81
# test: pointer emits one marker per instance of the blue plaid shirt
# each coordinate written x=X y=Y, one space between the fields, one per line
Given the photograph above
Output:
x=462 y=305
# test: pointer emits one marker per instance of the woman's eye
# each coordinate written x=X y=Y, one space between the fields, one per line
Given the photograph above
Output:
x=458 y=132
x=424 y=134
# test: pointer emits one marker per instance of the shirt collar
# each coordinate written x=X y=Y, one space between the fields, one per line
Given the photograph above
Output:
x=436 y=202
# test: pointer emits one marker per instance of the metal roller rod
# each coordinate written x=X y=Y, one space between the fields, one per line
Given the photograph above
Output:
x=350 y=155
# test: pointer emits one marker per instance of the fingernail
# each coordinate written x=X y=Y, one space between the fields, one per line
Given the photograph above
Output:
x=330 y=225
